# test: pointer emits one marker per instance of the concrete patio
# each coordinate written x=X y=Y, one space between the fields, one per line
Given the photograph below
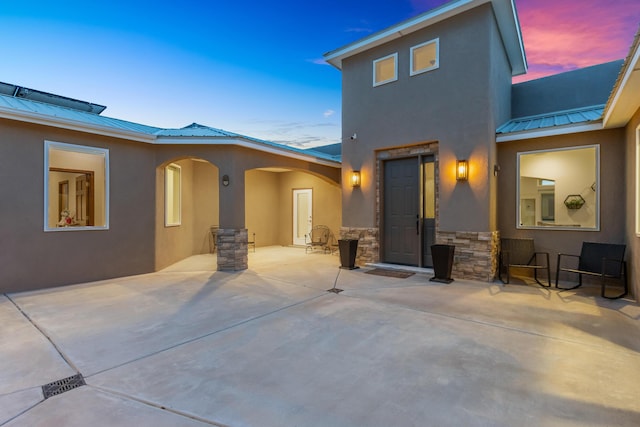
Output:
x=189 y=346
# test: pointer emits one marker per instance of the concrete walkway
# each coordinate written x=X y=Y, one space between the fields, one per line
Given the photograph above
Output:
x=269 y=346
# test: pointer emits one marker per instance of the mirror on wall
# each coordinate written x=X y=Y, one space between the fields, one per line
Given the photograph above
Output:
x=558 y=189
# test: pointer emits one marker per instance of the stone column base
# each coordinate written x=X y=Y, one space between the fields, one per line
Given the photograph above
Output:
x=232 y=249
x=476 y=253
x=368 y=243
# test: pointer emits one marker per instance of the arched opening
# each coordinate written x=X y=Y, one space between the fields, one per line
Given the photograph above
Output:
x=187 y=206
x=270 y=208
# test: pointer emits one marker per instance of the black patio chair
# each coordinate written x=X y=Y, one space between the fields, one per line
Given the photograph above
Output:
x=521 y=253
x=604 y=260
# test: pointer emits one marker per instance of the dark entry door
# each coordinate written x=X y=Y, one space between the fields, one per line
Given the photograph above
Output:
x=401 y=208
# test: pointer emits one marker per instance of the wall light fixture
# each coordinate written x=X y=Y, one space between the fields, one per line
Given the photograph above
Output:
x=355 y=179
x=462 y=170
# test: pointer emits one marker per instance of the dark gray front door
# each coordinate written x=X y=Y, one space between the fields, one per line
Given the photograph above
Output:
x=401 y=209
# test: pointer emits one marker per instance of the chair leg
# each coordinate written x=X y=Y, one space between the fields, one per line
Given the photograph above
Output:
x=573 y=287
x=624 y=283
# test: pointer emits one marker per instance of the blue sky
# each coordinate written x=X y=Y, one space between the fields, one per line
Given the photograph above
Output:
x=252 y=67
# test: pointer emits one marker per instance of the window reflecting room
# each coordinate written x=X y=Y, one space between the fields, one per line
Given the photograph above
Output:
x=76 y=187
x=559 y=188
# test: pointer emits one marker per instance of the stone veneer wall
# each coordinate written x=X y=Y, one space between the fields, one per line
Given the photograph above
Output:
x=368 y=243
x=476 y=253
x=232 y=249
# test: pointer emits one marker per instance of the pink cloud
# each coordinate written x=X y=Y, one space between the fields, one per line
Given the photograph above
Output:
x=562 y=35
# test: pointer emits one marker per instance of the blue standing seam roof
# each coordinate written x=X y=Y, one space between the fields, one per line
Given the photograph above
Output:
x=558 y=118
x=194 y=130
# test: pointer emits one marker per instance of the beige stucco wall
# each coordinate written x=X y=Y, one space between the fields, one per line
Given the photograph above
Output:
x=457 y=105
x=270 y=204
x=199 y=212
x=632 y=136
x=612 y=192
x=32 y=258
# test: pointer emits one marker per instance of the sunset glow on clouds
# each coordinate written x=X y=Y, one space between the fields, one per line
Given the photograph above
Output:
x=562 y=35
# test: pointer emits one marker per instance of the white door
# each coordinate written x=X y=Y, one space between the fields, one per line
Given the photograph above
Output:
x=302 y=214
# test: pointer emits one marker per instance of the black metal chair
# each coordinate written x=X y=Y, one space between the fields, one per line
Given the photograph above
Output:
x=604 y=260
x=318 y=238
x=521 y=253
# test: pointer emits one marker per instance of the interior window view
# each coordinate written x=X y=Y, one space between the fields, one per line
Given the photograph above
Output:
x=424 y=57
x=385 y=70
x=76 y=182
x=559 y=188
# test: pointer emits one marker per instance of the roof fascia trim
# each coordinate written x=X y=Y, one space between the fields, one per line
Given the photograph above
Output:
x=241 y=142
x=442 y=13
x=620 y=89
x=554 y=131
x=396 y=31
x=57 y=122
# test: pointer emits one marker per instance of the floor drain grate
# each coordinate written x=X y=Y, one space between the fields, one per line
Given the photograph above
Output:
x=335 y=290
x=63 y=385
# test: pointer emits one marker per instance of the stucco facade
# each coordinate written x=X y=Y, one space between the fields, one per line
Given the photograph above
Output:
x=135 y=239
x=454 y=108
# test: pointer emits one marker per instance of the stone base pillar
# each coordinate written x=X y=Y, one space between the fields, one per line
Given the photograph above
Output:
x=368 y=243
x=476 y=254
x=232 y=249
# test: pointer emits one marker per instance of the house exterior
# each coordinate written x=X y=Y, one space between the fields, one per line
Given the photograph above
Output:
x=553 y=159
x=140 y=198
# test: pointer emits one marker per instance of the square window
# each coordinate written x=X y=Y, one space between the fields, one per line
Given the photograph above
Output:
x=76 y=182
x=548 y=181
x=172 y=195
x=385 y=70
x=424 y=57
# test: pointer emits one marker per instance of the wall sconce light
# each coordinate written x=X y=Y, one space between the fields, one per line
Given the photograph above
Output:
x=462 y=170
x=225 y=180
x=355 y=179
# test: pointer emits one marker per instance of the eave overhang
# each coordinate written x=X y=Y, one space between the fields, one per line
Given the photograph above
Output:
x=506 y=17
x=69 y=124
x=625 y=100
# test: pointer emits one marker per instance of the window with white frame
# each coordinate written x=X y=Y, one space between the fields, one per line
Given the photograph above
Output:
x=76 y=182
x=425 y=57
x=172 y=195
x=559 y=189
x=385 y=70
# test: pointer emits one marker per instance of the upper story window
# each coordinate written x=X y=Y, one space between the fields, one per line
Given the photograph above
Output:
x=559 y=188
x=424 y=57
x=76 y=182
x=385 y=70
x=172 y=195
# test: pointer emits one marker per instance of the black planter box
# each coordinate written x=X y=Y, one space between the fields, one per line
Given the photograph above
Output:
x=348 y=249
x=442 y=256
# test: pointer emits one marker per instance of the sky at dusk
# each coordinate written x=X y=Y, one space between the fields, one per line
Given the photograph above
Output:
x=254 y=67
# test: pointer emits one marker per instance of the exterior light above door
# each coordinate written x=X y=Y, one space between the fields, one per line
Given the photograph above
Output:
x=355 y=179
x=462 y=170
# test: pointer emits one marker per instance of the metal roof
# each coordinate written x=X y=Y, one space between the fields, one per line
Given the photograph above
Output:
x=550 y=120
x=50 y=98
x=66 y=113
x=68 y=118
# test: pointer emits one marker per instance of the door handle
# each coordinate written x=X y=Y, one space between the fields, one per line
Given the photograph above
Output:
x=418 y=224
